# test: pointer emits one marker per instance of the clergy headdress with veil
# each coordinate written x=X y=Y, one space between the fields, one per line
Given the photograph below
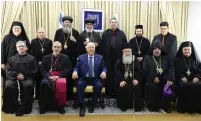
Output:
x=193 y=55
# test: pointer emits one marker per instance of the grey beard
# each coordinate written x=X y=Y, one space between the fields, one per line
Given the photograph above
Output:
x=89 y=30
x=127 y=59
x=67 y=30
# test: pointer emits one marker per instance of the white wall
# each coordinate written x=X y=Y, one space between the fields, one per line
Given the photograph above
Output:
x=194 y=25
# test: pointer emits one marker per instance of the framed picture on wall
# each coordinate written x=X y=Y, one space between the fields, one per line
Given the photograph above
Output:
x=97 y=15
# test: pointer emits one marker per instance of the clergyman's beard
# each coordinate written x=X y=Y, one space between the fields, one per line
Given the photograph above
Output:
x=127 y=59
x=138 y=35
x=67 y=29
x=89 y=30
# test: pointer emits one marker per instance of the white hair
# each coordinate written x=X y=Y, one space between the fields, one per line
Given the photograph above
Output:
x=40 y=29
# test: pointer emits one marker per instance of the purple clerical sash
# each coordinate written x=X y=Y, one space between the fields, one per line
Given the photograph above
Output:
x=60 y=88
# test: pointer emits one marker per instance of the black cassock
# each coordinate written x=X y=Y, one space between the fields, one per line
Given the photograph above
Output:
x=189 y=93
x=144 y=46
x=73 y=48
x=36 y=48
x=128 y=94
x=40 y=48
x=140 y=47
x=73 y=51
x=26 y=65
x=93 y=37
x=8 y=48
x=111 y=49
x=154 y=91
x=170 y=44
x=47 y=94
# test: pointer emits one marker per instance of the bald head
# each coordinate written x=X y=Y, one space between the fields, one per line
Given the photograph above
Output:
x=41 y=33
x=90 y=47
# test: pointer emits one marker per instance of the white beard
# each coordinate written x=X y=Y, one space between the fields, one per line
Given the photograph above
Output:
x=89 y=30
x=67 y=30
x=127 y=59
x=16 y=33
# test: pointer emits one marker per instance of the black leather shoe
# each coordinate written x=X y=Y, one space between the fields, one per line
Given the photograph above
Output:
x=62 y=110
x=82 y=111
x=91 y=108
x=123 y=109
x=150 y=109
x=138 y=109
x=19 y=112
x=167 y=110
x=42 y=111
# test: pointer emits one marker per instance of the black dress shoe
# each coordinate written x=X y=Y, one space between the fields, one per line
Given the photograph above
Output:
x=62 y=110
x=123 y=109
x=19 y=112
x=167 y=110
x=138 y=109
x=43 y=111
x=82 y=111
x=150 y=109
x=91 y=108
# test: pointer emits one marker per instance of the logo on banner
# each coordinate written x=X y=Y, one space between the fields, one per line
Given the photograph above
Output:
x=96 y=15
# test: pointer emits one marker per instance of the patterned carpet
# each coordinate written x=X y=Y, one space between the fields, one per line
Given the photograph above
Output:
x=110 y=108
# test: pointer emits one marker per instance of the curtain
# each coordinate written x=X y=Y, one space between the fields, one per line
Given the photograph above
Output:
x=10 y=11
x=35 y=14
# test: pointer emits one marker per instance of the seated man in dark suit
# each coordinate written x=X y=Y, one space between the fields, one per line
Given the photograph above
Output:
x=91 y=69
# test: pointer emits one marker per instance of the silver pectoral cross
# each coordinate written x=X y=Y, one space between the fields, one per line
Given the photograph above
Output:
x=42 y=50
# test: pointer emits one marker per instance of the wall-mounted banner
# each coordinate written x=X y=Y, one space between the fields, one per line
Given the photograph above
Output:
x=97 y=15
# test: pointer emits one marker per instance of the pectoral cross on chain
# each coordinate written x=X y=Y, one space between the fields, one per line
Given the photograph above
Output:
x=42 y=50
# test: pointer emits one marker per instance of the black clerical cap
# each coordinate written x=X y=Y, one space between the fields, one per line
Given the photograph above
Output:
x=186 y=44
x=89 y=20
x=126 y=46
x=194 y=54
x=23 y=33
x=139 y=27
x=156 y=44
x=16 y=23
x=67 y=18
x=164 y=23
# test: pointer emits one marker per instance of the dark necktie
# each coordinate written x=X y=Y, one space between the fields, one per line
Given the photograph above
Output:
x=163 y=40
x=90 y=67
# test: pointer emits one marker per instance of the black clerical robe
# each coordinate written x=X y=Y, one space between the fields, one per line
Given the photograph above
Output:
x=111 y=49
x=73 y=48
x=189 y=93
x=8 y=46
x=170 y=43
x=36 y=48
x=27 y=66
x=60 y=63
x=140 y=46
x=128 y=94
x=154 y=91
x=93 y=37
x=40 y=48
x=8 y=49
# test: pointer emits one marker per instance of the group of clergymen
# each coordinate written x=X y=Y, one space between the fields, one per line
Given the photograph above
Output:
x=136 y=73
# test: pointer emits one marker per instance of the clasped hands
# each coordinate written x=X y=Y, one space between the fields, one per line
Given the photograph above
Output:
x=123 y=83
x=156 y=80
x=75 y=75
